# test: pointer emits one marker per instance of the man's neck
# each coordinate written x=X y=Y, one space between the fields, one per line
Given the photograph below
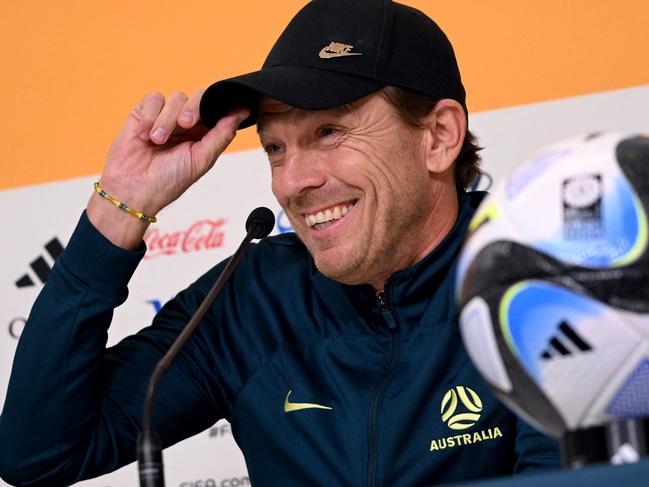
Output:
x=434 y=229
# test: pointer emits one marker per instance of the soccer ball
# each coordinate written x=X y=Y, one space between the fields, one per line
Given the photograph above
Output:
x=553 y=284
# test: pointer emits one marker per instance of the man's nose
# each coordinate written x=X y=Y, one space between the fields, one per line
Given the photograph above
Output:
x=303 y=171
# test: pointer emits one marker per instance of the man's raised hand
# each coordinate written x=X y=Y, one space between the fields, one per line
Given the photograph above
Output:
x=160 y=152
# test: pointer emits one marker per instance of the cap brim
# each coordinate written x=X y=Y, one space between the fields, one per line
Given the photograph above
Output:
x=298 y=86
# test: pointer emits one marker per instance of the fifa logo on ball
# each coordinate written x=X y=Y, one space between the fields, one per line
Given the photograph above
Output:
x=463 y=419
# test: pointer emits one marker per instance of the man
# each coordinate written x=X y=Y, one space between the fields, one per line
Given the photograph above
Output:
x=332 y=354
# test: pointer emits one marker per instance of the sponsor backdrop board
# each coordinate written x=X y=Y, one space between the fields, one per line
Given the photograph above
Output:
x=533 y=77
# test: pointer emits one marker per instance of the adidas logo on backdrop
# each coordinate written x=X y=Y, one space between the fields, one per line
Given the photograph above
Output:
x=41 y=266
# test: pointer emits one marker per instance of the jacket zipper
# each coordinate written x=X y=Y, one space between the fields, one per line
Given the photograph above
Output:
x=379 y=390
x=385 y=309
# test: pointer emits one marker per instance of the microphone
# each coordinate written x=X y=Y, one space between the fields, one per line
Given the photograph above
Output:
x=259 y=224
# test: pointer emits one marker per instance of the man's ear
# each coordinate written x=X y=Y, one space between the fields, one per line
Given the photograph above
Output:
x=446 y=125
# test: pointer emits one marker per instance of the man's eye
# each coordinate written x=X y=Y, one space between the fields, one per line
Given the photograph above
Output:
x=272 y=148
x=327 y=131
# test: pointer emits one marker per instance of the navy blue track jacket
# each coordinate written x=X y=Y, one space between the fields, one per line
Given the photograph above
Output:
x=324 y=384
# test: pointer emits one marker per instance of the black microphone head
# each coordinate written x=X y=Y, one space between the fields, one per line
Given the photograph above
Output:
x=260 y=222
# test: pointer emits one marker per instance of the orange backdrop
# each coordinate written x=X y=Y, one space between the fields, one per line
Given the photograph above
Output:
x=71 y=70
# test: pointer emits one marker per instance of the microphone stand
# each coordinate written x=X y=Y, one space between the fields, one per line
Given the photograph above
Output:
x=616 y=442
x=259 y=224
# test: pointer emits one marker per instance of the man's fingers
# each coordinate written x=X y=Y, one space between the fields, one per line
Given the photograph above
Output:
x=147 y=111
x=189 y=114
x=205 y=152
x=166 y=122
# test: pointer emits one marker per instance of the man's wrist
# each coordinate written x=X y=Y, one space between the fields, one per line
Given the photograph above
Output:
x=119 y=227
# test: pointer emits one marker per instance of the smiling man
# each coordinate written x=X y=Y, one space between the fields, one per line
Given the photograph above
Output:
x=367 y=193
x=334 y=352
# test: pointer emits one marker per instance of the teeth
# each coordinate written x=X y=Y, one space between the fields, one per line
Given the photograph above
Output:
x=335 y=213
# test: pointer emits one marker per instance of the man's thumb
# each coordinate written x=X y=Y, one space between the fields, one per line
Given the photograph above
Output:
x=214 y=142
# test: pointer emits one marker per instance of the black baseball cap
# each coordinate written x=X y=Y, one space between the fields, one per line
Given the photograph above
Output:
x=334 y=52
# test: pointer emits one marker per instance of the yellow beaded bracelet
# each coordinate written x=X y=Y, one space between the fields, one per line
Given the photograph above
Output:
x=124 y=206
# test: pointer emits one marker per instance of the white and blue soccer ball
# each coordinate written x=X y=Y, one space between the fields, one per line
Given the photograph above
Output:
x=553 y=284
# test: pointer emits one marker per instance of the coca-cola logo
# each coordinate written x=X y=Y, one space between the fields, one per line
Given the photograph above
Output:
x=201 y=235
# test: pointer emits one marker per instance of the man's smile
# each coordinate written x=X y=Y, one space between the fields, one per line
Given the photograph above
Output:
x=322 y=218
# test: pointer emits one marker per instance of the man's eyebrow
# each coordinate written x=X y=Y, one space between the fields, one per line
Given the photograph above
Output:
x=341 y=110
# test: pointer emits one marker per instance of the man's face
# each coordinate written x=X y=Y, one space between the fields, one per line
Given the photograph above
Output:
x=354 y=184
